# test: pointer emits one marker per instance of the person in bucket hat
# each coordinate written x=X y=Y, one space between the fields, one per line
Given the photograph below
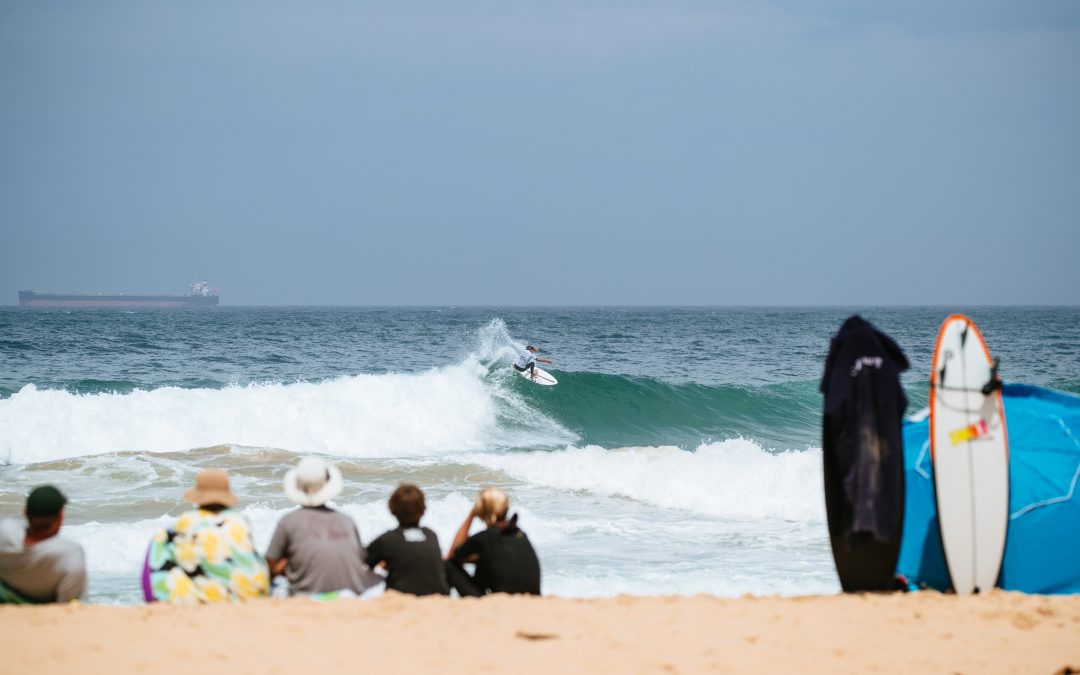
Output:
x=208 y=555
x=315 y=547
x=313 y=482
x=211 y=489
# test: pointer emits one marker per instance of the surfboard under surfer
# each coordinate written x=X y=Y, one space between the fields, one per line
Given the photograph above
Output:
x=527 y=361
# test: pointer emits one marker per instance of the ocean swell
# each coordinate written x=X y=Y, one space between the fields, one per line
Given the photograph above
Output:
x=616 y=410
x=451 y=409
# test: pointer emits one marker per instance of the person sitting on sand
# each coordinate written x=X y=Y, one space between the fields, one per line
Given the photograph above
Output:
x=317 y=548
x=208 y=555
x=526 y=361
x=37 y=565
x=410 y=553
x=505 y=560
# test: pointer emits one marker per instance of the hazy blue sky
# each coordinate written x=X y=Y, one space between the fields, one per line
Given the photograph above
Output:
x=528 y=152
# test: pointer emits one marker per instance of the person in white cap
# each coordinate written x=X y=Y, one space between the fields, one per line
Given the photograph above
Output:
x=317 y=548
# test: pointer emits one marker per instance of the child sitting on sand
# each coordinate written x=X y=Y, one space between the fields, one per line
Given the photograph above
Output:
x=505 y=560
x=410 y=553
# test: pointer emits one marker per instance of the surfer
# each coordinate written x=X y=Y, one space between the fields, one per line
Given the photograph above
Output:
x=526 y=361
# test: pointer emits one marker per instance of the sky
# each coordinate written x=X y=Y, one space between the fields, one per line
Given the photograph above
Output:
x=520 y=152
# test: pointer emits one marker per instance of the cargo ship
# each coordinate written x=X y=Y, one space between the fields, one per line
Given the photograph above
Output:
x=201 y=296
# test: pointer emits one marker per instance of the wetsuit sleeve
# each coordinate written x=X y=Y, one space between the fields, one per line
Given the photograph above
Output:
x=375 y=551
x=471 y=546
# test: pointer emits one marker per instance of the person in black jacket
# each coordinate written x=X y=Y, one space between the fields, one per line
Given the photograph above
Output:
x=864 y=454
x=505 y=560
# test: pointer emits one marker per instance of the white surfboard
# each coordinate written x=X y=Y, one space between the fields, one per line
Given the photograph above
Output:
x=970 y=450
x=542 y=377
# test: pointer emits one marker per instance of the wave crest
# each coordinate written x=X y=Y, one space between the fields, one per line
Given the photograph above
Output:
x=736 y=478
x=451 y=409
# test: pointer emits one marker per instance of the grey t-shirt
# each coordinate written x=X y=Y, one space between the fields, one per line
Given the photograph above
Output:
x=53 y=570
x=524 y=358
x=324 y=552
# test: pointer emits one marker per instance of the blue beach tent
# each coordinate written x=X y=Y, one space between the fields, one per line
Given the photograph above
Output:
x=1042 y=548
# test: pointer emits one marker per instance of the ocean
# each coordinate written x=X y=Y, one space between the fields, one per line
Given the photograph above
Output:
x=679 y=454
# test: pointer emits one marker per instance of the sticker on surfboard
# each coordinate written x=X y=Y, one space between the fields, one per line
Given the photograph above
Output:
x=970 y=450
x=542 y=377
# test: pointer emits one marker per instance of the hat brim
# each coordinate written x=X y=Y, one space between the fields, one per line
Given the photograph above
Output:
x=206 y=497
x=332 y=488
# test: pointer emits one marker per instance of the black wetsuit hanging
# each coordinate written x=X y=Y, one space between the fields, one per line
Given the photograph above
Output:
x=864 y=454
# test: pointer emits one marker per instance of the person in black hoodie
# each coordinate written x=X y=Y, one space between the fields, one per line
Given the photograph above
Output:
x=505 y=560
x=864 y=454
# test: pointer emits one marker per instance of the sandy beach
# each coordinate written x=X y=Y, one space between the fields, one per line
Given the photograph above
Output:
x=922 y=632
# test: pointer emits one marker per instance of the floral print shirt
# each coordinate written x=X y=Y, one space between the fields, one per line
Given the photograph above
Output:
x=205 y=557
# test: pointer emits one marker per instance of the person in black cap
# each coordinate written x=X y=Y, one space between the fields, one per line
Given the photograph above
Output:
x=36 y=564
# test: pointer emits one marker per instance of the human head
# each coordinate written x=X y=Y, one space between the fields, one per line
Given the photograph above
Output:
x=313 y=482
x=211 y=489
x=45 y=511
x=492 y=505
x=532 y=348
x=407 y=504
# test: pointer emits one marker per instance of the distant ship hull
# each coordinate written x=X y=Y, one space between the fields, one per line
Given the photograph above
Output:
x=114 y=300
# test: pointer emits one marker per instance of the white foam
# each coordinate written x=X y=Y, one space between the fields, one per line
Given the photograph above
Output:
x=451 y=409
x=736 y=478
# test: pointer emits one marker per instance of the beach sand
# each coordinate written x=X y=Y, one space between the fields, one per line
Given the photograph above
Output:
x=922 y=632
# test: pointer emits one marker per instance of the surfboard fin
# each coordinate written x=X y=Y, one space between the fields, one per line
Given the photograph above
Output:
x=995 y=381
x=941 y=371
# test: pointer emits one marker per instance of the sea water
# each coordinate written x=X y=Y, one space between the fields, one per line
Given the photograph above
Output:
x=679 y=453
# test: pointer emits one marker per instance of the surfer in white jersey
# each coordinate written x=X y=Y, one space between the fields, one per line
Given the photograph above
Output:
x=527 y=361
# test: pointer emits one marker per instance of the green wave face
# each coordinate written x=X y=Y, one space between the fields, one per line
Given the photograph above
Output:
x=617 y=411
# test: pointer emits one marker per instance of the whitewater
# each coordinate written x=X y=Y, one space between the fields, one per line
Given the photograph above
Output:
x=678 y=454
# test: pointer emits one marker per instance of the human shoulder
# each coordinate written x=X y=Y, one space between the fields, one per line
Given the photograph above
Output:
x=188 y=521
x=385 y=537
x=292 y=517
x=386 y=545
x=321 y=517
x=482 y=538
x=12 y=534
x=67 y=552
x=294 y=521
x=326 y=513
